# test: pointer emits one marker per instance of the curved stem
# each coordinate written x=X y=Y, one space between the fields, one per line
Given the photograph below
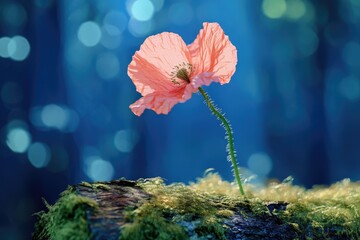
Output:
x=227 y=127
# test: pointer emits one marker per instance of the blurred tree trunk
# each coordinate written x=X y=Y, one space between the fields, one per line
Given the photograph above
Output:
x=296 y=84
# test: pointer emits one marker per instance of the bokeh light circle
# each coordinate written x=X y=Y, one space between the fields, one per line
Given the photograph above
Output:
x=125 y=140
x=142 y=10
x=4 y=43
x=308 y=41
x=111 y=36
x=89 y=33
x=117 y=19
x=349 y=88
x=18 y=48
x=39 y=155
x=99 y=169
x=18 y=139
x=260 y=163
x=274 y=8
x=13 y=14
x=295 y=9
x=139 y=29
x=54 y=116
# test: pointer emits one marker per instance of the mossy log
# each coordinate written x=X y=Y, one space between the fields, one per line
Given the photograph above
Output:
x=208 y=209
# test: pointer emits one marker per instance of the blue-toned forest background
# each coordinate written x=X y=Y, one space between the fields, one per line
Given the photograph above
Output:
x=294 y=101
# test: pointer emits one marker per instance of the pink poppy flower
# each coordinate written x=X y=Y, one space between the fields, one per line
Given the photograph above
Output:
x=166 y=71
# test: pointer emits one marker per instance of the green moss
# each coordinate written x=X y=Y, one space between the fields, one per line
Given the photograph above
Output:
x=321 y=212
x=149 y=223
x=177 y=210
x=211 y=225
x=66 y=219
x=174 y=204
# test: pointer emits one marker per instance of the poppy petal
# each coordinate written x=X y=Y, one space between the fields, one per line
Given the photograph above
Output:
x=212 y=51
x=203 y=79
x=151 y=66
x=160 y=103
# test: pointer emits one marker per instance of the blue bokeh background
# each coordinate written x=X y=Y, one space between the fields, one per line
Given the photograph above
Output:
x=65 y=94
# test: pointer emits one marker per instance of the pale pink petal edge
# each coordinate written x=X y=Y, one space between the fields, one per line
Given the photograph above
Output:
x=212 y=51
x=160 y=103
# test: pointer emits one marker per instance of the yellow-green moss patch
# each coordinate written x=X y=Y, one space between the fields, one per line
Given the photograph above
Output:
x=66 y=219
x=148 y=222
x=206 y=209
x=321 y=212
x=179 y=204
x=318 y=212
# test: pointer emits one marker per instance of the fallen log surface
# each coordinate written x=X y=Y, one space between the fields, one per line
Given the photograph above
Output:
x=148 y=209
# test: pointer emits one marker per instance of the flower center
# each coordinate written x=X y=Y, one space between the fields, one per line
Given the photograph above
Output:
x=182 y=72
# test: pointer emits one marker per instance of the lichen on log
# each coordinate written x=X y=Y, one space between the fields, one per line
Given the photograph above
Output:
x=208 y=209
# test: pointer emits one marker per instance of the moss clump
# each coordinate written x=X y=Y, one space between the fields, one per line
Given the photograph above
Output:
x=178 y=204
x=149 y=223
x=319 y=213
x=66 y=219
x=210 y=208
x=211 y=225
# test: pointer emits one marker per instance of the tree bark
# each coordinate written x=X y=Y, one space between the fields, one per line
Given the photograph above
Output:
x=113 y=200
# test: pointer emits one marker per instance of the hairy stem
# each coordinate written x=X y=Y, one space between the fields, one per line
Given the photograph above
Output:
x=226 y=124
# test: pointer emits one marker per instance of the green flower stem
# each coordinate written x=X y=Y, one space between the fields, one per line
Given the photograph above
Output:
x=226 y=124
